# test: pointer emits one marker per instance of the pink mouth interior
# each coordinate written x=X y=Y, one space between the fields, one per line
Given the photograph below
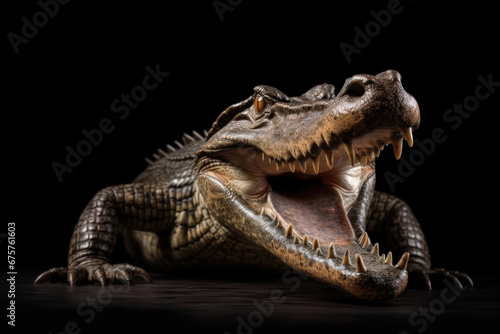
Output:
x=313 y=209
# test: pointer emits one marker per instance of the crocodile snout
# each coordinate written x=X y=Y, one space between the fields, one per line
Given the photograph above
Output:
x=376 y=101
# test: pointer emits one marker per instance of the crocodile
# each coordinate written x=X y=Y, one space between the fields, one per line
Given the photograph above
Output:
x=277 y=182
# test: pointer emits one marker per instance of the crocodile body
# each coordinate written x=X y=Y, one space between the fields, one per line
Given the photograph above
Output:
x=277 y=182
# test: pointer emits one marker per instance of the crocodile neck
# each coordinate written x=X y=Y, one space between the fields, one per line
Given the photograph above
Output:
x=196 y=239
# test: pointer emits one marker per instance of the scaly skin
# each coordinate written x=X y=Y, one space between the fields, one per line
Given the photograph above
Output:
x=276 y=182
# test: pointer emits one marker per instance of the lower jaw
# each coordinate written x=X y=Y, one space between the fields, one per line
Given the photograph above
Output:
x=381 y=280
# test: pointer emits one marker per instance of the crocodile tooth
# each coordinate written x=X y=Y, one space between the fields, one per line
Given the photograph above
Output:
x=389 y=258
x=329 y=159
x=304 y=150
x=346 y=259
x=371 y=155
x=360 y=265
x=319 y=141
x=270 y=160
x=397 y=144
x=363 y=160
x=326 y=138
x=273 y=216
x=292 y=166
x=408 y=136
x=315 y=244
x=178 y=144
x=263 y=156
x=318 y=251
x=277 y=166
x=380 y=144
x=289 y=231
x=403 y=263
x=377 y=153
x=304 y=242
x=375 y=249
x=367 y=242
x=315 y=164
x=363 y=237
x=295 y=154
x=331 y=251
x=382 y=258
x=350 y=152
x=262 y=211
x=303 y=166
x=295 y=240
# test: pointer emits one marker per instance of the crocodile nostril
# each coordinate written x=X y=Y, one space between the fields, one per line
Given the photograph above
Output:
x=355 y=89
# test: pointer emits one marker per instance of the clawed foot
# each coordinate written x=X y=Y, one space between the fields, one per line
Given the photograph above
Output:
x=96 y=273
x=429 y=278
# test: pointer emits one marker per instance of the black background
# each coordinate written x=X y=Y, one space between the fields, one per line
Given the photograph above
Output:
x=66 y=77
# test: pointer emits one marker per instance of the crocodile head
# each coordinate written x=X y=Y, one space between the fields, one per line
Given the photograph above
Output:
x=295 y=175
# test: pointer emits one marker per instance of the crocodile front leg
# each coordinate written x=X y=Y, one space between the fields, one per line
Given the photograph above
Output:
x=144 y=207
x=393 y=218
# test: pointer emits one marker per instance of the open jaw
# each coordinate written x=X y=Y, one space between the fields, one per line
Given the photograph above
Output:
x=299 y=209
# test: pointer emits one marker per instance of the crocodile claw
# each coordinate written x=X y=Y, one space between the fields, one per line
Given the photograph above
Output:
x=53 y=275
x=99 y=274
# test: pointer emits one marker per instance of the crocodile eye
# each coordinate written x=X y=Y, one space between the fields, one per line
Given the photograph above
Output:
x=259 y=103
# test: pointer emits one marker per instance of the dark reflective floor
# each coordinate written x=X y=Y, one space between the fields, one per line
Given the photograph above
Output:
x=266 y=305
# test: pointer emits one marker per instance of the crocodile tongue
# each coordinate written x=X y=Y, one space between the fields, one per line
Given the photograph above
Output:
x=313 y=209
